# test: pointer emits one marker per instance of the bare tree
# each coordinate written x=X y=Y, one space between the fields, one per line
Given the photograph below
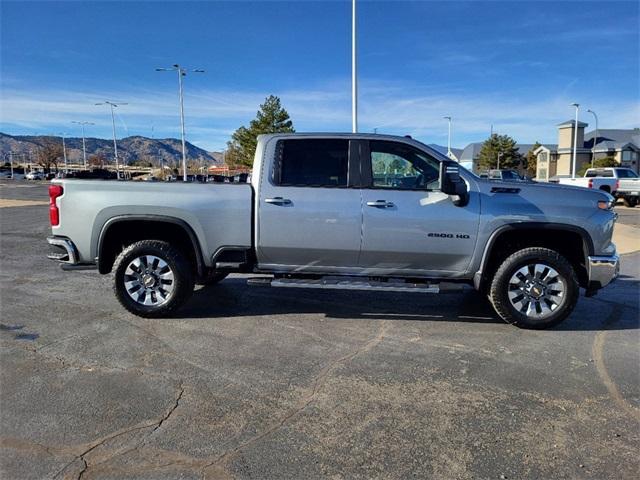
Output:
x=48 y=155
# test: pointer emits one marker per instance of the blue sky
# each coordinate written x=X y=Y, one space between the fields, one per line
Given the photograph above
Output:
x=514 y=64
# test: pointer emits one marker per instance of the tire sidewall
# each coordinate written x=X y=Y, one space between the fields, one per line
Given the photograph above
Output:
x=183 y=282
x=500 y=287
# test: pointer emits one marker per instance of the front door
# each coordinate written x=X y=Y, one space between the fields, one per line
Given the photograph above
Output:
x=409 y=225
x=309 y=218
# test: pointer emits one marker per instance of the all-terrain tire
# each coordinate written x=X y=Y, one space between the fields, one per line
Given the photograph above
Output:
x=512 y=268
x=631 y=201
x=180 y=272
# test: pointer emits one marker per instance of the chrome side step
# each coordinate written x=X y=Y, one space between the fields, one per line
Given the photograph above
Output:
x=356 y=283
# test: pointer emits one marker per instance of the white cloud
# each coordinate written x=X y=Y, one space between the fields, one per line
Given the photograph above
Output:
x=392 y=107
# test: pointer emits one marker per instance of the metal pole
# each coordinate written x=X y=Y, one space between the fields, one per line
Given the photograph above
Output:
x=575 y=142
x=354 y=71
x=499 y=155
x=595 y=139
x=84 y=148
x=64 y=154
x=115 y=143
x=184 y=148
x=11 y=160
x=448 y=137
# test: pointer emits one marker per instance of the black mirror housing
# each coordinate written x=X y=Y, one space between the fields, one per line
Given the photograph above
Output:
x=453 y=184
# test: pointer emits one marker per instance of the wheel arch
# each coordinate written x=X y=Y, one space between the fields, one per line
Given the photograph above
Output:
x=511 y=237
x=146 y=227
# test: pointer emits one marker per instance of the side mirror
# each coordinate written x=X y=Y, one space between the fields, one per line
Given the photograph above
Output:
x=452 y=183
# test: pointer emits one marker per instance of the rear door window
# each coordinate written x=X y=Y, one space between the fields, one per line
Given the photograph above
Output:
x=312 y=163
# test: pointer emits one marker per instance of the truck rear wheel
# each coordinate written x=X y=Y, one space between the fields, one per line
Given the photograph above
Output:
x=630 y=201
x=534 y=288
x=152 y=278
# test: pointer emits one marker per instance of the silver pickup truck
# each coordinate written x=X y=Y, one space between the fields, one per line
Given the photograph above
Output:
x=344 y=211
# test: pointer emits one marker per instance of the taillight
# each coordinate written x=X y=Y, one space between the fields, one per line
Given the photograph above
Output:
x=591 y=183
x=616 y=186
x=54 y=214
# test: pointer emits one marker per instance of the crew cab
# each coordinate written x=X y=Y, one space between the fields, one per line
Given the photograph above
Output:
x=344 y=211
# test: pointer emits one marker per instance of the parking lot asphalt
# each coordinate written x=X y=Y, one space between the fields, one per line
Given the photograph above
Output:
x=254 y=382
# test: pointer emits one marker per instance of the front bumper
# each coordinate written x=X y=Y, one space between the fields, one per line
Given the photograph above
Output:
x=602 y=271
x=63 y=250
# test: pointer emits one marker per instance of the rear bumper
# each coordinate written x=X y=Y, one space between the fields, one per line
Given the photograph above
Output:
x=62 y=250
x=602 y=271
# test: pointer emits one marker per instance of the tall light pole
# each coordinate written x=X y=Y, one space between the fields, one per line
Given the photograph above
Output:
x=595 y=139
x=575 y=141
x=448 y=137
x=84 y=146
x=182 y=72
x=500 y=154
x=64 y=153
x=11 y=154
x=354 y=71
x=113 y=123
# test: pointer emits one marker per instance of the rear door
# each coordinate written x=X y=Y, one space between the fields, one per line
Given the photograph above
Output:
x=409 y=225
x=309 y=215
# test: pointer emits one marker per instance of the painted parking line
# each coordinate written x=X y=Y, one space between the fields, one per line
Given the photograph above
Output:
x=5 y=202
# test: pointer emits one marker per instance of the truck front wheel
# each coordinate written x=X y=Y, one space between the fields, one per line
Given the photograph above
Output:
x=152 y=278
x=534 y=288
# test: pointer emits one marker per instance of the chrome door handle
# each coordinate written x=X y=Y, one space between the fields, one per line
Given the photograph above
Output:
x=278 y=201
x=380 y=204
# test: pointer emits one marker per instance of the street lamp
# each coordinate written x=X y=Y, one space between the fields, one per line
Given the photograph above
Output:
x=595 y=139
x=575 y=141
x=181 y=73
x=448 y=137
x=354 y=71
x=64 y=153
x=113 y=123
x=84 y=147
x=500 y=154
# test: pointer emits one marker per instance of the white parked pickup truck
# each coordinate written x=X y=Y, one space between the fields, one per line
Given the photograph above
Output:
x=618 y=181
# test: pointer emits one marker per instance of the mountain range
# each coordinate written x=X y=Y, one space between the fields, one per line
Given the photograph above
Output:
x=130 y=149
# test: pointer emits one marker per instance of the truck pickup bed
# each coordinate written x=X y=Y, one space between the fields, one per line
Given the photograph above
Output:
x=622 y=183
x=343 y=211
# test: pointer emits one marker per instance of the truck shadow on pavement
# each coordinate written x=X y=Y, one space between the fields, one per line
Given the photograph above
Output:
x=234 y=298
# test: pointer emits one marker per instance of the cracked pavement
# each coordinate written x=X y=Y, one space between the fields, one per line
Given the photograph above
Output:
x=253 y=382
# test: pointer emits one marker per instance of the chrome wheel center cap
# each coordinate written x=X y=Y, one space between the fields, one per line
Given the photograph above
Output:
x=148 y=280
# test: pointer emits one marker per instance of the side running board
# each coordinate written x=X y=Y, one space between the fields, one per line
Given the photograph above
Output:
x=357 y=283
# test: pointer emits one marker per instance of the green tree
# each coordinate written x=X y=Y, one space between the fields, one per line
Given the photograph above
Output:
x=531 y=161
x=502 y=145
x=599 y=163
x=271 y=118
x=397 y=166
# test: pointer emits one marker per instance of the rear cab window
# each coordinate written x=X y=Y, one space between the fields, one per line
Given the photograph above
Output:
x=312 y=163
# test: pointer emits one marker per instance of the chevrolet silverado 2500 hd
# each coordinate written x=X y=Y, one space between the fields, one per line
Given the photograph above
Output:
x=346 y=211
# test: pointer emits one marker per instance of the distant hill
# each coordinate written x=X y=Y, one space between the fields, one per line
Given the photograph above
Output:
x=131 y=149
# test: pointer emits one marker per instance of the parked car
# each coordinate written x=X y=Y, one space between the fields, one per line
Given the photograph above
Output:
x=622 y=183
x=321 y=213
x=505 y=175
x=33 y=175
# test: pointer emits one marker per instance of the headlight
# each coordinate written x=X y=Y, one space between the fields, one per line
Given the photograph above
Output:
x=607 y=204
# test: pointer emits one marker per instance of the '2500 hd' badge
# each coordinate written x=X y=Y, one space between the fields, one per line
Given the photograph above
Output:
x=448 y=235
